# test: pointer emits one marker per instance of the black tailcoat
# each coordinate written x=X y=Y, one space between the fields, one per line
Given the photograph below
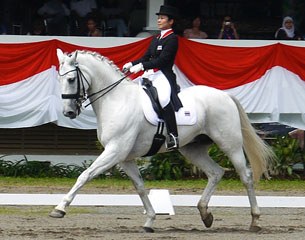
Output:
x=161 y=55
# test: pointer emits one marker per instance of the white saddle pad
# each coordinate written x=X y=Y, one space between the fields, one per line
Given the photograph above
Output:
x=185 y=116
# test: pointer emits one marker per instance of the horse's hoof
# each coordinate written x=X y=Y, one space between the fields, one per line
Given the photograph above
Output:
x=148 y=230
x=255 y=228
x=208 y=221
x=57 y=213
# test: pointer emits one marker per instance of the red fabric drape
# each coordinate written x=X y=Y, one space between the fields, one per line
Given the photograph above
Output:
x=204 y=64
x=119 y=55
x=292 y=58
x=21 y=61
x=229 y=67
x=223 y=67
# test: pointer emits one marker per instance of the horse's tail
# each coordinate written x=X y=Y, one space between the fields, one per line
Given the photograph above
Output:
x=257 y=151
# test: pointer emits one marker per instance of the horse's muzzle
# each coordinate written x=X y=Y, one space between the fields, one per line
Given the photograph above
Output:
x=70 y=114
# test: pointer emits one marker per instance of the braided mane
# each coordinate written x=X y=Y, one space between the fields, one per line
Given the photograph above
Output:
x=100 y=58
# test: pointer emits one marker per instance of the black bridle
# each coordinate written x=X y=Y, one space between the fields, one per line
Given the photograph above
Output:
x=81 y=96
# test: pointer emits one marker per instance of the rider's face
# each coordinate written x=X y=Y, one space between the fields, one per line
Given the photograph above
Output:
x=164 y=22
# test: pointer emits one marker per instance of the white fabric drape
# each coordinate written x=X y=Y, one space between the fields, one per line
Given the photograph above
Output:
x=278 y=96
x=36 y=101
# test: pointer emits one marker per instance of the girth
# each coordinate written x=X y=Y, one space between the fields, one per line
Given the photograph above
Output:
x=158 y=141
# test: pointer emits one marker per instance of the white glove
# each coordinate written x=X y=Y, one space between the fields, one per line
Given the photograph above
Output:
x=136 y=68
x=127 y=66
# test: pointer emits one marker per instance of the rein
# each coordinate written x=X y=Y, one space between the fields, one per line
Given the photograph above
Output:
x=108 y=88
x=80 y=98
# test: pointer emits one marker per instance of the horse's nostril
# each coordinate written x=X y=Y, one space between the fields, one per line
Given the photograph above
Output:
x=70 y=114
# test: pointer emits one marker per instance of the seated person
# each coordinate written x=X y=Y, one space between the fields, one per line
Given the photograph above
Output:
x=38 y=28
x=3 y=27
x=195 y=30
x=55 y=12
x=228 y=30
x=287 y=31
x=93 y=30
x=80 y=10
x=113 y=15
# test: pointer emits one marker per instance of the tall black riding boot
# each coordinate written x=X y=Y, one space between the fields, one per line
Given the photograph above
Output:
x=171 y=125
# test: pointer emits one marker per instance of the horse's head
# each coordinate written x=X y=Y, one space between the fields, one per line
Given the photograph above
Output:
x=73 y=83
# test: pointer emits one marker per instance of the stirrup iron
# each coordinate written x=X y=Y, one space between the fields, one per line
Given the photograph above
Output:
x=172 y=142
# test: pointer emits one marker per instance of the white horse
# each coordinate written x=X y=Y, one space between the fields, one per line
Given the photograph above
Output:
x=126 y=134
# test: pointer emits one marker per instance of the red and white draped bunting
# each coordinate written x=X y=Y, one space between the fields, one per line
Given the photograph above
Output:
x=268 y=80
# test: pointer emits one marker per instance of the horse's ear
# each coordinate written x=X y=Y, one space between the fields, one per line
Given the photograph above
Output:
x=74 y=56
x=60 y=55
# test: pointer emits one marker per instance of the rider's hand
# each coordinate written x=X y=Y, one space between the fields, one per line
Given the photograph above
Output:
x=136 y=68
x=127 y=66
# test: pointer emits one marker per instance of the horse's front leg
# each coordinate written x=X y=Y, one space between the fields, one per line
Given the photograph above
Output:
x=109 y=158
x=132 y=170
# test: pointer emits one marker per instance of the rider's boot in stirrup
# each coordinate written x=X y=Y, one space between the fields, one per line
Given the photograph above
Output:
x=169 y=117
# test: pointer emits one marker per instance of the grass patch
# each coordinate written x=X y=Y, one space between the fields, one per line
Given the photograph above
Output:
x=231 y=185
x=62 y=182
x=281 y=185
x=122 y=184
x=26 y=211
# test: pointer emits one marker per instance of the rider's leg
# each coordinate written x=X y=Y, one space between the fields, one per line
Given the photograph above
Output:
x=171 y=125
x=160 y=82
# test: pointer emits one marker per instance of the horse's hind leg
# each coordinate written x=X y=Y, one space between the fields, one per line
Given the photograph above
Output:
x=197 y=153
x=132 y=170
x=239 y=161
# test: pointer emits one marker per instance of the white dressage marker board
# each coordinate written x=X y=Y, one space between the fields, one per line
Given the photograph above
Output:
x=161 y=201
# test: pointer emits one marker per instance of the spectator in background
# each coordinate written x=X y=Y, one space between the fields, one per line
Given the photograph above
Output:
x=113 y=16
x=3 y=28
x=228 y=30
x=56 y=13
x=195 y=30
x=38 y=28
x=80 y=11
x=287 y=31
x=93 y=30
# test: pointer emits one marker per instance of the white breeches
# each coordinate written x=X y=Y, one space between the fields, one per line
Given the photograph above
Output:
x=160 y=82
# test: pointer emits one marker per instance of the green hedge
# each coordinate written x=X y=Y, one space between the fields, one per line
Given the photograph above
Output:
x=165 y=166
x=286 y=149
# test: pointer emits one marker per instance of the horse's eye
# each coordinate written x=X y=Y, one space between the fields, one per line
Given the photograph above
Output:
x=71 y=80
